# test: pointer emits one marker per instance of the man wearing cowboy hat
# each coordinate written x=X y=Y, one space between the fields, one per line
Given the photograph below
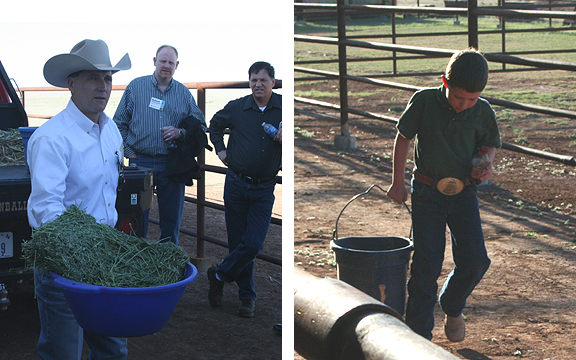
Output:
x=74 y=159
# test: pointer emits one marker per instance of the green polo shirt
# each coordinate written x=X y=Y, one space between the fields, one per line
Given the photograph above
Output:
x=446 y=141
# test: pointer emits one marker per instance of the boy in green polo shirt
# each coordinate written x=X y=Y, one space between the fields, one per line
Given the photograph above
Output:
x=449 y=124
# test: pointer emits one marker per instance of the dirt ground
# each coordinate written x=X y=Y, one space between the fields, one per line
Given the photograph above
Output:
x=524 y=306
x=195 y=330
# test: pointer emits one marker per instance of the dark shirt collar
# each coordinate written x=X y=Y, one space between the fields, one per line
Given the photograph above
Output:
x=274 y=101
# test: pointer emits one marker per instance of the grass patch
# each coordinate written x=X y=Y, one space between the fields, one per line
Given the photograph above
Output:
x=561 y=99
x=382 y=25
x=336 y=95
x=316 y=257
x=519 y=218
x=535 y=234
x=317 y=94
x=303 y=133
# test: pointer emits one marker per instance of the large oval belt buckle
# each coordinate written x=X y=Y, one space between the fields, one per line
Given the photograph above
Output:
x=450 y=186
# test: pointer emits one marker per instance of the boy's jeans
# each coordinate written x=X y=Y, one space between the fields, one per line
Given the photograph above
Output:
x=431 y=212
x=60 y=335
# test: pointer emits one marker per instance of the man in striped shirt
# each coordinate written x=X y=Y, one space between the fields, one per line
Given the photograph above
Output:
x=148 y=117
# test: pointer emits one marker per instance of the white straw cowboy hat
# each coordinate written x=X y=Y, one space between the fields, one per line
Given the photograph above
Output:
x=86 y=55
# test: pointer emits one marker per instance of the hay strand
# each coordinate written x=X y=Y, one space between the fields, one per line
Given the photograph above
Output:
x=11 y=148
x=78 y=248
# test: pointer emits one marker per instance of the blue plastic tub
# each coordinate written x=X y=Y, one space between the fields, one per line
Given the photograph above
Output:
x=26 y=132
x=124 y=312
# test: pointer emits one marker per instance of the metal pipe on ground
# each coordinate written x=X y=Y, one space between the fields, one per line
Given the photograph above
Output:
x=335 y=321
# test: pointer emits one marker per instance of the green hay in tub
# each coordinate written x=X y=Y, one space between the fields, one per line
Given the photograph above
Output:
x=78 y=248
x=11 y=148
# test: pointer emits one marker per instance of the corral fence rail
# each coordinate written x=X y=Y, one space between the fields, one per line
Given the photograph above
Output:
x=200 y=200
x=340 y=10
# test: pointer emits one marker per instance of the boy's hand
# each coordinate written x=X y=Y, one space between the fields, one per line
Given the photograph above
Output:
x=484 y=174
x=398 y=193
x=481 y=175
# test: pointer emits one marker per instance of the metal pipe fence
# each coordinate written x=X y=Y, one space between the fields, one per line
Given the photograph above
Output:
x=200 y=200
x=467 y=9
x=342 y=41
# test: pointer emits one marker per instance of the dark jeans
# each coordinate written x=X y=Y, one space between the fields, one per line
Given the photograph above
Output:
x=248 y=212
x=170 y=196
x=431 y=212
x=60 y=335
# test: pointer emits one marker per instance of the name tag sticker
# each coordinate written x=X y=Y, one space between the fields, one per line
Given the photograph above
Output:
x=157 y=104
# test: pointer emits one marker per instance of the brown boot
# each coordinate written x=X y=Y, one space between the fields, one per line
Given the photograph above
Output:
x=247 y=308
x=455 y=328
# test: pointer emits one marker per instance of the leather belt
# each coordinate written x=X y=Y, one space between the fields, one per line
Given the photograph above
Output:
x=153 y=156
x=249 y=179
x=447 y=186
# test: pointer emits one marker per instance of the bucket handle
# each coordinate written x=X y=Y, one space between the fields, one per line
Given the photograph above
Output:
x=335 y=231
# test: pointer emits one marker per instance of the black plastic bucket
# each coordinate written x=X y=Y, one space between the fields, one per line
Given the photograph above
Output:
x=377 y=266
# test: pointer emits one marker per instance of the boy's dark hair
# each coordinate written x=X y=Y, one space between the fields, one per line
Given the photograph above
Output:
x=467 y=70
x=259 y=65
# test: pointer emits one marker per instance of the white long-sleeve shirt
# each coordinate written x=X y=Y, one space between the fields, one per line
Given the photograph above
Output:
x=72 y=160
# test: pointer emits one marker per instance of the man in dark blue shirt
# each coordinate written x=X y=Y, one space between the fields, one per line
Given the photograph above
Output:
x=253 y=158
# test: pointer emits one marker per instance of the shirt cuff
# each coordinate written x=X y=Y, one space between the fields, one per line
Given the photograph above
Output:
x=128 y=152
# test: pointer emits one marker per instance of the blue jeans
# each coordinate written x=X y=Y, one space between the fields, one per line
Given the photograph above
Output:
x=431 y=212
x=60 y=335
x=170 y=196
x=248 y=210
